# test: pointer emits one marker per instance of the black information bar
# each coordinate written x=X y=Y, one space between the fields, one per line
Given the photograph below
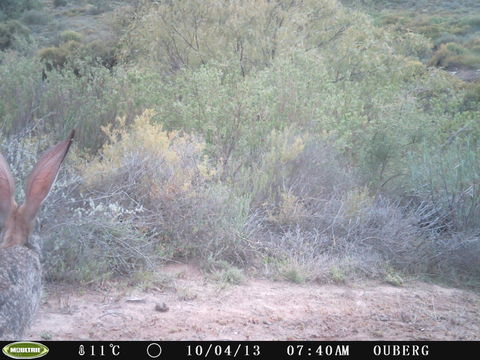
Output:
x=256 y=350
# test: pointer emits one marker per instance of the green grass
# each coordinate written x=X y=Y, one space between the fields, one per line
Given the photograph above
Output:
x=454 y=22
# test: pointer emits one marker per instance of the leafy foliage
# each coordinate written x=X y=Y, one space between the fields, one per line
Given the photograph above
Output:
x=307 y=139
x=9 y=31
x=13 y=8
x=452 y=22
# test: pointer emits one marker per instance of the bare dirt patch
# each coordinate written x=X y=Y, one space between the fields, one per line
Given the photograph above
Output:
x=195 y=308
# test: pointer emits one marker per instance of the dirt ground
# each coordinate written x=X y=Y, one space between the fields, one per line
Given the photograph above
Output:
x=191 y=307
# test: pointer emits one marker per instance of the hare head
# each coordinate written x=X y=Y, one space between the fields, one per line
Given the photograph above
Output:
x=17 y=221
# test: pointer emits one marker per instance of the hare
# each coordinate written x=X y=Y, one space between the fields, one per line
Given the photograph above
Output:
x=20 y=268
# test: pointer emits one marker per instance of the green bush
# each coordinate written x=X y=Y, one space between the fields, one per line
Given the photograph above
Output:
x=80 y=96
x=473 y=21
x=167 y=176
x=70 y=35
x=236 y=113
x=471 y=100
x=454 y=55
x=446 y=178
x=9 y=31
x=100 y=52
x=287 y=136
x=446 y=38
x=468 y=61
x=444 y=22
x=445 y=182
x=13 y=8
x=59 y=3
x=302 y=189
x=249 y=36
x=35 y=17
x=99 y=6
x=455 y=48
x=54 y=56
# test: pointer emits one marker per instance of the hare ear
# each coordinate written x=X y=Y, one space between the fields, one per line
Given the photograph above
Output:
x=43 y=175
x=7 y=190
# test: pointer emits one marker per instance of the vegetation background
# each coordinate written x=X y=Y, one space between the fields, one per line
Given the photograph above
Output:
x=297 y=139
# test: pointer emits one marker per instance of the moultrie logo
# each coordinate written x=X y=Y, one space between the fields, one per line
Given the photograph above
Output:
x=25 y=350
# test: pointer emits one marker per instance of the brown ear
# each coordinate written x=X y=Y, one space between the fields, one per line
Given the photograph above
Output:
x=43 y=175
x=7 y=190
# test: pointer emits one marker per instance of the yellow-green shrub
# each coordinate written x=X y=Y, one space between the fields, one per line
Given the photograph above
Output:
x=180 y=156
x=167 y=175
x=55 y=57
x=248 y=33
x=69 y=35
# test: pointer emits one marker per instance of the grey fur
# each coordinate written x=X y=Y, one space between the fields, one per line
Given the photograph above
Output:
x=20 y=266
x=20 y=290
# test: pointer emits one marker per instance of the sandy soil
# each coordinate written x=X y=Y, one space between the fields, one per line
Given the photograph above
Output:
x=192 y=307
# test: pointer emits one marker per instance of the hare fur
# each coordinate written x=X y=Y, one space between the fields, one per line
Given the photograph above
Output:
x=20 y=266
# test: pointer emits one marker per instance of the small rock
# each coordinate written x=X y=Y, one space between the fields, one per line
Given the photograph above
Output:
x=161 y=307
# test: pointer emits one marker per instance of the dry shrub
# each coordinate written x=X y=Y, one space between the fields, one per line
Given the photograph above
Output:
x=82 y=238
x=185 y=212
x=149 y=196
x=445 y=187
x=314 y=215
x=457 y=258
x=152 y=196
